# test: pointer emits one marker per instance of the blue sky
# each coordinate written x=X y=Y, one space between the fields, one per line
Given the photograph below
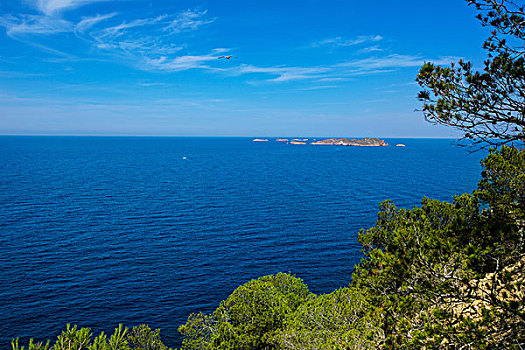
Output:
x=300 y=68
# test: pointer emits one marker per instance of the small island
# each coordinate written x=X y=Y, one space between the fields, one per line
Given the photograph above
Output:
x=367 y=142
x=260 y=140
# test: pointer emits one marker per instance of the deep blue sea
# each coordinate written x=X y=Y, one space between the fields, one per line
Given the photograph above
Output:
x=98 y=231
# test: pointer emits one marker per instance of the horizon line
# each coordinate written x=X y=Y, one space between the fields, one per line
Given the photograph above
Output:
x=227 y=136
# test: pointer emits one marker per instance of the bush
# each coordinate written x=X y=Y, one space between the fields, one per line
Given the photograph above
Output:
x=250 y=317
x=427 y=268
x=339 y=320
x=140 y=338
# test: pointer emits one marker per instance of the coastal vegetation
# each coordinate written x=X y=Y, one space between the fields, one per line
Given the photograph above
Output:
x=73 y=338
x=486 y=106
x=443 y=275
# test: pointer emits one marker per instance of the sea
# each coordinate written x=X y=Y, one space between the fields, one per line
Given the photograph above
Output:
x=98 y=231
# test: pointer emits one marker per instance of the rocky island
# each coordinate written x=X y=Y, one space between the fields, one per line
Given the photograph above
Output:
x=367 y=141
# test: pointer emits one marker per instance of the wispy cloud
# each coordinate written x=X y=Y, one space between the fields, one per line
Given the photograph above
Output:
x=318 y=87
x=188 y=20
x=160 y=43
x=34 y=24
x=285 y=73
x=15 y=74
x=374 y=48
x=391 y=61
x=148 y=43
x=88 y=22
x=53 y=7
x=343 y=70
x=332 y=79
x=114 y=32
x=49 y=21
x=341 y=42
x=181 y=63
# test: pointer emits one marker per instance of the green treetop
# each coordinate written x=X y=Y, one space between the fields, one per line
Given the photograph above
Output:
x=487 y=106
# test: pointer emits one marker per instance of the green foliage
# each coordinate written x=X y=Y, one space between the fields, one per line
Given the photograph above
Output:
x=342 y=319
x=144 y=338
x=445 y=273
x=199 y=332
x=482 y=302
x=502 y=186
x=250 y=317
x=502 y=189
x=412 y=259
x=118 y=341
x=80 y=339
x=15 y=345
x=73 y=339
x=487 y=106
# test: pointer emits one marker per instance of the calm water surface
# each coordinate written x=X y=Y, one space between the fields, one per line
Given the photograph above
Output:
x=97 y=231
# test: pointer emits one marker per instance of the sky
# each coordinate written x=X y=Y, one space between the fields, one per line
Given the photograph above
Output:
x=299 y=68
